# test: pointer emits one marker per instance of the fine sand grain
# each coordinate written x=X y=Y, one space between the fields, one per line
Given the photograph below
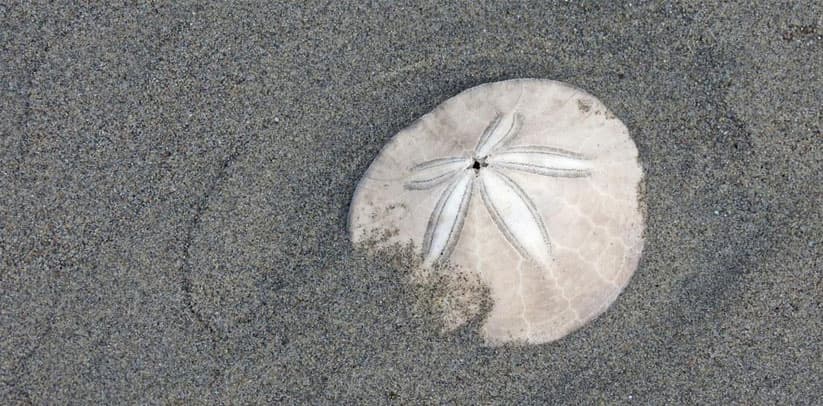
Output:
x=176 y=178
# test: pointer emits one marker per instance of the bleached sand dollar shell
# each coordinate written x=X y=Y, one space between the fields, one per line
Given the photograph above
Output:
x=531 y=185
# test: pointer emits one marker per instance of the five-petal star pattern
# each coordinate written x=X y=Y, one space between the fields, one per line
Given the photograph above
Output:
x=510 y=207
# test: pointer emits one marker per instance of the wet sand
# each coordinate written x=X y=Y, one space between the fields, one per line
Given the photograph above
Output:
x=176 y=181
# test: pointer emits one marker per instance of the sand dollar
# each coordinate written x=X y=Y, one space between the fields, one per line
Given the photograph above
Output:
x=533 y=186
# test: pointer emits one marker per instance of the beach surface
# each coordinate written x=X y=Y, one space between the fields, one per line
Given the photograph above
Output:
x=176 y=180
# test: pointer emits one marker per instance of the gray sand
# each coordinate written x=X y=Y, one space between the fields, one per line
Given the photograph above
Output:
x=175 y=183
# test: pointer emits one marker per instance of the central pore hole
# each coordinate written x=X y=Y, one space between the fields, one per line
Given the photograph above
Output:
x=479 y=163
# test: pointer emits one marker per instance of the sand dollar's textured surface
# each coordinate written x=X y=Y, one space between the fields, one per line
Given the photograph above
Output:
x=531 y=185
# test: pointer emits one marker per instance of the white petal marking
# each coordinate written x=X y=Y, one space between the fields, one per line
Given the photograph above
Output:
x=542 y=161
x=502 y=129
x=432 y=173
x=516 y=216
x=447 y=219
